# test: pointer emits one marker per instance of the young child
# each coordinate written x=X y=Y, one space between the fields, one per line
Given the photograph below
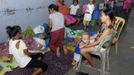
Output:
x=74 y=9
x=85 y=40
x=88 y=13
x=18 y=50
x=39 y=38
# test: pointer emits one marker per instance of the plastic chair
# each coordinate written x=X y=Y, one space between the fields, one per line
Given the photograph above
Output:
x=118 y=26
x=103 y=53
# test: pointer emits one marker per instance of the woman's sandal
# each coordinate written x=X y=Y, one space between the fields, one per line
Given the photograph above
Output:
x=93 y=68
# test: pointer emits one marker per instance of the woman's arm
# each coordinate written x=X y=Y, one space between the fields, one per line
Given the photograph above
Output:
x=104 y=34
x=50 y=23
x=94 y=36
x=27 y=52
x=10 y=57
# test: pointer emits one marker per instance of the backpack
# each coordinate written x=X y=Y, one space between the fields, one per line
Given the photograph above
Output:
x=96 y=14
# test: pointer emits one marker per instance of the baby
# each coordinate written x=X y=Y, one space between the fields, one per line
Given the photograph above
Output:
x=39 y=38
x=85 y=40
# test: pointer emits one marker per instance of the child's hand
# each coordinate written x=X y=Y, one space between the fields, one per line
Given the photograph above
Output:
x=86 y=46
x=83 y=46
x=39 y=47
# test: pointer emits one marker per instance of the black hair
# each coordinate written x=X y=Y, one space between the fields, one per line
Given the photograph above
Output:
x=76 y=1
x=53 y=6
x=109 y=13
x=93 y=1
x=13 y=30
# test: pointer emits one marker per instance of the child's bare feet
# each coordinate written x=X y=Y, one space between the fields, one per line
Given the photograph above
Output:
x=65 y=50
x=76 y=66
x=58 y=52
x=74 y=62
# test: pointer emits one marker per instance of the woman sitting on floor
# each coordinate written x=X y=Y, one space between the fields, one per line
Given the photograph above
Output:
x=18 y=50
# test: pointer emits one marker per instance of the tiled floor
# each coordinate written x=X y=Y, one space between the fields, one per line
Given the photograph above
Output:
x=121 y=64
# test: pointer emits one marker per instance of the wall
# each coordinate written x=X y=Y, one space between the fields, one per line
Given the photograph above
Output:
x=81 y=2
x=24 y=13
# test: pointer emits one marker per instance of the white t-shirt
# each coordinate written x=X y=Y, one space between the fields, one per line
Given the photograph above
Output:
x=90 y=9
x=73 y=9
x=21 y=58
x=57 y=21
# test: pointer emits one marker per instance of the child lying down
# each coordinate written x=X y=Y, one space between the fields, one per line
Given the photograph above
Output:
x=40 y=39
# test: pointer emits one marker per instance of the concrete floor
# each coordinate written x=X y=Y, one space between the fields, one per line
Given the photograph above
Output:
x=121 y=64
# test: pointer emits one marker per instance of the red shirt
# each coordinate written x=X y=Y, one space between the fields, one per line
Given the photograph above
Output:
x=63 y=8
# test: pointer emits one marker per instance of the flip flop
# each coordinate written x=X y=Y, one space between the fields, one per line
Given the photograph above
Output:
x=132 y=47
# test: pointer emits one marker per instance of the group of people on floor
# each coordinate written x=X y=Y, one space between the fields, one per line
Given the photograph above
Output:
x=25 y=59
